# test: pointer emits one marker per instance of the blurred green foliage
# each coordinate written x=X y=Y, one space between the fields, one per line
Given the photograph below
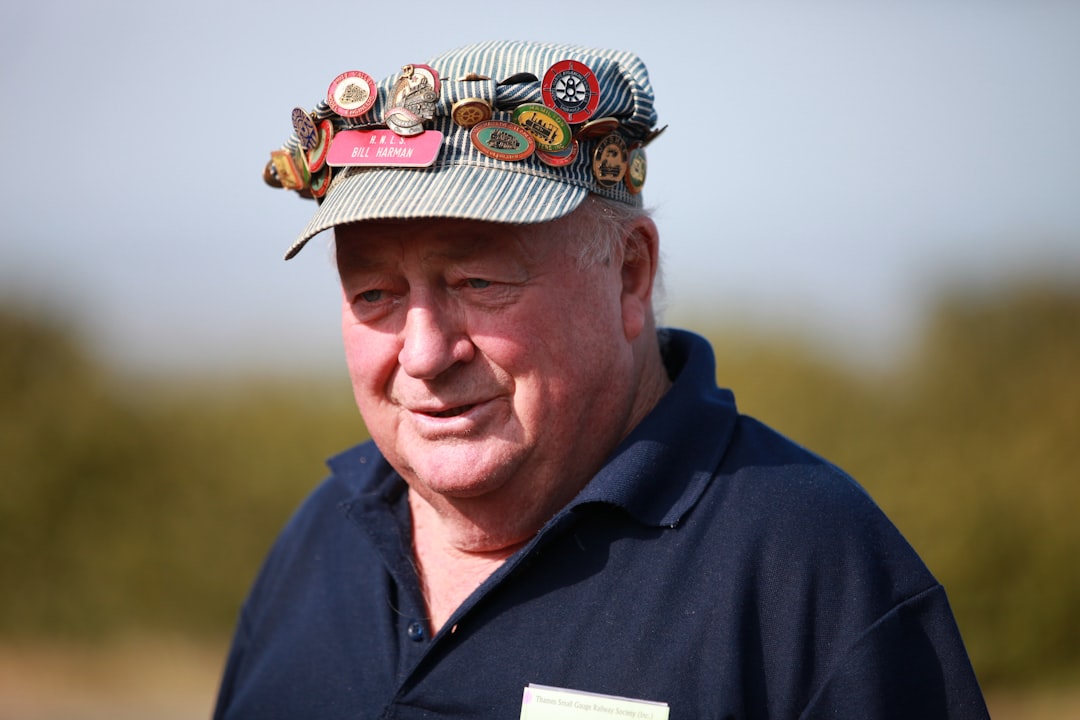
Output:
x=134 y=504
x=129 y=504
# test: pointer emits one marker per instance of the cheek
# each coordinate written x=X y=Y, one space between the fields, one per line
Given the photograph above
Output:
x=370 y=357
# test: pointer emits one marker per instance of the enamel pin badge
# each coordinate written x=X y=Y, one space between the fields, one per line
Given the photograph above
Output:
x=351 y=94
x=412 y=100
x=570 y=88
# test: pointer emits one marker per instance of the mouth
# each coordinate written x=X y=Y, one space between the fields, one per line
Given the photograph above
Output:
x=452 y=412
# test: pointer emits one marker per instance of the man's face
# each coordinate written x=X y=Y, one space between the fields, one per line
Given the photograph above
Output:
x=493 y=372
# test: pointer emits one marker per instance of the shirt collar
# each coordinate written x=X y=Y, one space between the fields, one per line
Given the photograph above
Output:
x=661 y=468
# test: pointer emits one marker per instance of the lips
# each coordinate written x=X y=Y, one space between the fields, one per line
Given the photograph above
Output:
x=452 y=412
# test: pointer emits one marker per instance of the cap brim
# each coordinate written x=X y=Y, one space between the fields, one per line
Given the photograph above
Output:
x=465 y=192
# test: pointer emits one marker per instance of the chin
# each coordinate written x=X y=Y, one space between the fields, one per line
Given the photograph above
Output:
x=458 y=478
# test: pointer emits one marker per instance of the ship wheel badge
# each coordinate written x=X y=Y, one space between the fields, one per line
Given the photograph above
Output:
x=571 y=89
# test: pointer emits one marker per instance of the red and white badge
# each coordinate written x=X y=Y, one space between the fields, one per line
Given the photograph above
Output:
x=571 y=89
x=352 y=93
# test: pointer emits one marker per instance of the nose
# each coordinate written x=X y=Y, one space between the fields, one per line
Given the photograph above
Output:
x=434 y=340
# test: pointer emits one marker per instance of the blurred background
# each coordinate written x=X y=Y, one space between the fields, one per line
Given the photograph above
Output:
x=872 y=209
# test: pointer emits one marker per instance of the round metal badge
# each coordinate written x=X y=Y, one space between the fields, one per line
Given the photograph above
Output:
x=547 y=127
x=571 y=89
x=562 y=158
x=610 y=160
x=305 y=128
x=470 y=111
x=320 y=181
x=502 y=140
x=316 y=156
x=352 y=94
x=636 y=169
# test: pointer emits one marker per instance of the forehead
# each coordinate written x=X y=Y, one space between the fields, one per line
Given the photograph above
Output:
x=385 y=241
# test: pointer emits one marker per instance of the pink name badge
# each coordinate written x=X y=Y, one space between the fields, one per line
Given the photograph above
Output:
x=384 y=148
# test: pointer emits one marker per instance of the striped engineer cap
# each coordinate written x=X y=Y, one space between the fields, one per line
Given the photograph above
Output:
x=463 y=182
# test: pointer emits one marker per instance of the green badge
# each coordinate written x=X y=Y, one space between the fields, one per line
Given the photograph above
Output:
x=548 y=128
x=636 y=170
x=502 y=140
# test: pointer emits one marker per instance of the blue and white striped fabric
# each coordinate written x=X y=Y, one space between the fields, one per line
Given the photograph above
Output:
x=463 y=182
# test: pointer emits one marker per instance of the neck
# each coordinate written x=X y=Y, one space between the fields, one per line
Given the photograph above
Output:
x=449 y=569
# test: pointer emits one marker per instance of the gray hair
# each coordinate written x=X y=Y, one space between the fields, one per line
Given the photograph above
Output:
x=600 y=229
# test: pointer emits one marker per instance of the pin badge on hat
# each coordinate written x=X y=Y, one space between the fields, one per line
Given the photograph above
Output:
x=416 y=90
x=547 y=127
x=351 y=94
x=561 y=158
x=572 y=90
x=610 y=160
x=470 y=111
x=305 y=128
x=636 y=168
x=502 y=140
x=292 y=172
x=316 y=156
x=320 y=181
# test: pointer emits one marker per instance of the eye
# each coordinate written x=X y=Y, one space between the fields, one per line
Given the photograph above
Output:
x=478 y=283
x=371 y=296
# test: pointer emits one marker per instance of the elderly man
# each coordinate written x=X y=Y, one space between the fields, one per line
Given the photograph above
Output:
x=559 y=514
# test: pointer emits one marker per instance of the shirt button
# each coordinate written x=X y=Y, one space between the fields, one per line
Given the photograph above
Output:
x=416 y=631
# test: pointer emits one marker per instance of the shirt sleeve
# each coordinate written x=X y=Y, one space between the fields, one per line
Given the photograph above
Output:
x=911 y=663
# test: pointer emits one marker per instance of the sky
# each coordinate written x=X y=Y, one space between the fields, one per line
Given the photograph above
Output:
x=828 y=167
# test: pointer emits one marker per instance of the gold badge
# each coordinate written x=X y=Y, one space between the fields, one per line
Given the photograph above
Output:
x=610 y=160
x=470 y=111
x=292 y=171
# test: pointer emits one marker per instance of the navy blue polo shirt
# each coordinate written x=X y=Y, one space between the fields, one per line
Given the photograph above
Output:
x=711 y=564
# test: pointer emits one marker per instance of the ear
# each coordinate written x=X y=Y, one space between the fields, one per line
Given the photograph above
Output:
x=641 y=258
